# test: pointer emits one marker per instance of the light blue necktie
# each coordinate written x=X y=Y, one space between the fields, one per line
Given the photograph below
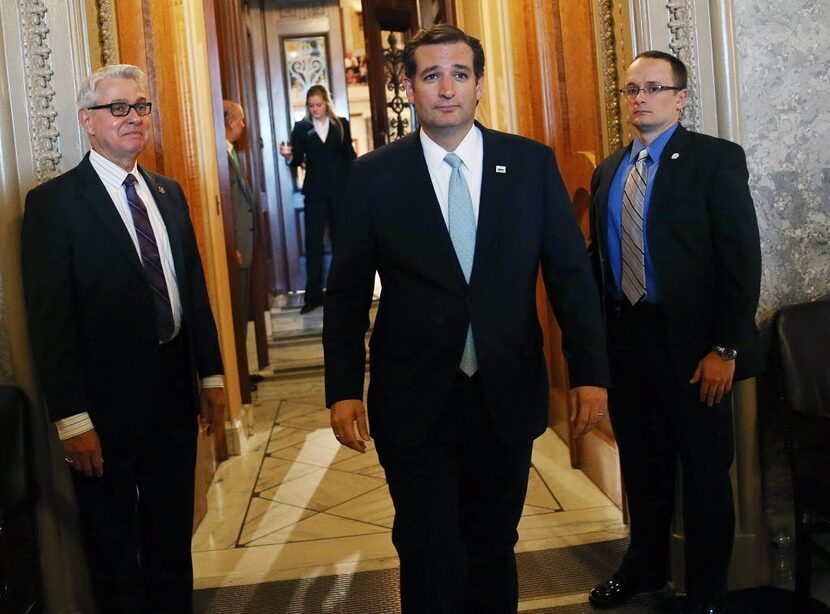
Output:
x=462 y=225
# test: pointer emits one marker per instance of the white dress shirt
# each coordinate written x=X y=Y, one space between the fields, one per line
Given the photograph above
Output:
x=113 y=176
x=321 y=127
x=471 y=152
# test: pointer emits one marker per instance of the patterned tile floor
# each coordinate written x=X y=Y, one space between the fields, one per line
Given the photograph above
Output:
x=295 y=504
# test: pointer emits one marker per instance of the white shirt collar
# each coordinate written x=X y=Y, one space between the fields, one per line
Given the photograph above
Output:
x=469 y=149
x=109 y=172
x=229 y=145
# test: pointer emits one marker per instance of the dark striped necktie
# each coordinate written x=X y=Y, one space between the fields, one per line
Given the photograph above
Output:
x=633 y=251
x=151 y=261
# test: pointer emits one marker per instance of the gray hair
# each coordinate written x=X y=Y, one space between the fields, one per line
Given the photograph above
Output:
x=86 y=95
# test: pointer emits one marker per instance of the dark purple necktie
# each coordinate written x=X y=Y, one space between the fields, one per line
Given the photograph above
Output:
x=151 y=261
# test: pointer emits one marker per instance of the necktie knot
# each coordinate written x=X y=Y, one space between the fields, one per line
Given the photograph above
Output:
x=453 y=160
x=129 y=180
x=642 y=157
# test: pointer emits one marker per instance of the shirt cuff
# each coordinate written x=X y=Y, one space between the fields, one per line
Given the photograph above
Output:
x=213 y=381
x=74 y=425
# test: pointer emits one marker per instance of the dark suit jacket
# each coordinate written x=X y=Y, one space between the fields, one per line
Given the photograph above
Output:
x=244 y=212
x=326 y=164
x=393 y=224
x=704 y=244
x=91 y=317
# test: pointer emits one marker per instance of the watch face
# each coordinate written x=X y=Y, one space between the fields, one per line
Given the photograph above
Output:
x=725 y=353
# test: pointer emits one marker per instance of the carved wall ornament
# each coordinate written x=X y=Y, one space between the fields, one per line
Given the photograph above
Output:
x=396 y=103
x=609 y=74
x=683 y=44
x=106 y=32
x=301 y=9
x=39 y=91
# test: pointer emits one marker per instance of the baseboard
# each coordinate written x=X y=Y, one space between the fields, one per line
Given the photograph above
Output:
x=238 y=431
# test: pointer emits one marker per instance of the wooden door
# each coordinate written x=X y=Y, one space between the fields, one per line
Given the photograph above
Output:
x=558 y=102
x=304 y=46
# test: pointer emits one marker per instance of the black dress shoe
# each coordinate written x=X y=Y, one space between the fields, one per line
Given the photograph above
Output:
x=682 y=604
x=619 y=590
x=256 y=378
x=308 y=307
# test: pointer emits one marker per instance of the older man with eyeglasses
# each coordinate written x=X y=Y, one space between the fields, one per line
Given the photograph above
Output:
x=675 y=246
x=125 y=347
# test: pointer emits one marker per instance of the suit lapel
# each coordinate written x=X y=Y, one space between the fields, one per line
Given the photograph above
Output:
x=425 y=211
x=240 y=176
x=609 y=172
x=162 y=197
x=493 y=196
x=97 y=200
x=670 y=161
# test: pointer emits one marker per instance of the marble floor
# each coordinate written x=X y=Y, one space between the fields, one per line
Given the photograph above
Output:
x=296 y=504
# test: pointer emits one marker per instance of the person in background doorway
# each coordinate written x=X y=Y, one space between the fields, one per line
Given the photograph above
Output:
x=244 y=214
x=676 y=251
x=125 y=345
x=323 y=141
x=457 y=220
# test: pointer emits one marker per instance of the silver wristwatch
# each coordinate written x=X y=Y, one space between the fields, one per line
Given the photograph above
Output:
x=725 y=353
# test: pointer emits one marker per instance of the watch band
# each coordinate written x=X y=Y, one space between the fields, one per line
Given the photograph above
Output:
x=724 y=352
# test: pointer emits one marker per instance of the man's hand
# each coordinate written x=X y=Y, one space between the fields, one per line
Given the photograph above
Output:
x=344 y=415
x=83 y=453
x=588 y=405
x=211 y=408
x=715 y=376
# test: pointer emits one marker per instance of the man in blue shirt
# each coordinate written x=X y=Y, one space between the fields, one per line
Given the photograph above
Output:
x=675 y=246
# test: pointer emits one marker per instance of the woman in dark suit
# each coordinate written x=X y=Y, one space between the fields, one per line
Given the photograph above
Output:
x=323 y=141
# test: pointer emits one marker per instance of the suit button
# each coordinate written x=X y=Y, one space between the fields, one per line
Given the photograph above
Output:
x=470 y=301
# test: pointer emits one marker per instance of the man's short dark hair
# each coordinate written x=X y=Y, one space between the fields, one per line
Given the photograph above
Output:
x=678 y=68
x=442 y=34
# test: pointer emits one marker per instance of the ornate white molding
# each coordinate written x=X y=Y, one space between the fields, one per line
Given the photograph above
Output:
x=106 y=32
x=40 y=93
x=683 y=43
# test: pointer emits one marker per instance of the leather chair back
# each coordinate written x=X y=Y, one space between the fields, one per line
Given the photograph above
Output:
x=16 y=471
x=803 y=333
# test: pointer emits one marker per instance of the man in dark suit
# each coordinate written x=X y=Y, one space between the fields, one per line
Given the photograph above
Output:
x=676 y=251
x=121 y=327
x=457 y=220
x=244 y=209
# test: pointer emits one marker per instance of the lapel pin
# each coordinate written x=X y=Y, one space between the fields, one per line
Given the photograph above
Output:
x=675 y=156
x=162 y=190
x=501 y=169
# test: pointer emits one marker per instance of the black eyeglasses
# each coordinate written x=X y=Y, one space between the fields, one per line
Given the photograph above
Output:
x=632 y=91
x=120 y=109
